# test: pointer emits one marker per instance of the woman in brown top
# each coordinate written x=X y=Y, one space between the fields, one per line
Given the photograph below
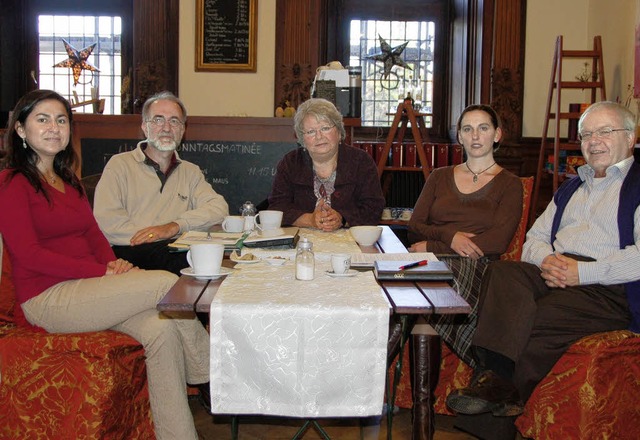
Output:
x=467 y=214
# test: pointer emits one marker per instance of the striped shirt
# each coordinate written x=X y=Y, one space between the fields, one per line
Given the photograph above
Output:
x=589 y=227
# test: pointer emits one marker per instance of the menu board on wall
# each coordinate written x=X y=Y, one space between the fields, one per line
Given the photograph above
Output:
x=226 y=35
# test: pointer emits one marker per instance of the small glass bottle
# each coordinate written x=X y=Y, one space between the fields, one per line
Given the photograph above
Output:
x=249 y=214
x=305 y=260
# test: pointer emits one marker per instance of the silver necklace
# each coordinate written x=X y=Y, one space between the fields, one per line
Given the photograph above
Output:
x=475 y=175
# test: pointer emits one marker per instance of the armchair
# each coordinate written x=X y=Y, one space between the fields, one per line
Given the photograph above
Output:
x=61 y=386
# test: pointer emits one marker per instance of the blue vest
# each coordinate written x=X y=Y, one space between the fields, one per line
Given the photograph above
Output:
x=627 y=204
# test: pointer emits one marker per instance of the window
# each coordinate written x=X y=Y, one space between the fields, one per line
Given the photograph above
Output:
x=82 y=32
x=382 y=90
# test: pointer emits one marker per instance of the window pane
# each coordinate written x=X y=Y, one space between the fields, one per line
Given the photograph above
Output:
x=81 y=32
x=380 y=94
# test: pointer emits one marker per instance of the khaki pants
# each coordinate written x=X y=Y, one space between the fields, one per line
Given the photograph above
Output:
x=177 y=350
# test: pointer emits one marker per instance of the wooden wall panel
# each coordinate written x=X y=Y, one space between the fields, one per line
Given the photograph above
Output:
x=507 y=69
x=300 y=35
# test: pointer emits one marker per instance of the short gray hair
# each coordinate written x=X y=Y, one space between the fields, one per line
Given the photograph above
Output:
x=323 y=110
x=163 y=96
x=628 y=118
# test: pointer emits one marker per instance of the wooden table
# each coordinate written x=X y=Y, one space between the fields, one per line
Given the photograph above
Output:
x=407 y=300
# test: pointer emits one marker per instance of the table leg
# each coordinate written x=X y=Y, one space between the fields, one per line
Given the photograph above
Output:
x=234 y=428
x=425 y=368
x=311 y=423
x=406 y=324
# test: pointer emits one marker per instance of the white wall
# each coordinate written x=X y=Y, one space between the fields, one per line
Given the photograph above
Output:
x=228 y=94
x=578 y=21
x=251 y=94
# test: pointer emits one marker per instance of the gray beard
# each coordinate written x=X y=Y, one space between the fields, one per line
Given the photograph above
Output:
x=160 y=147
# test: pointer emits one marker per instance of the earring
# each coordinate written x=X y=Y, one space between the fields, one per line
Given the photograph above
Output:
x=24 y=142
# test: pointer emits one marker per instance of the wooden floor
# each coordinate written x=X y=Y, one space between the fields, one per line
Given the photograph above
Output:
x=273 y=428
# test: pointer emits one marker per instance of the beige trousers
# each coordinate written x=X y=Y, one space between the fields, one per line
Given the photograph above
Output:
x=177 y=350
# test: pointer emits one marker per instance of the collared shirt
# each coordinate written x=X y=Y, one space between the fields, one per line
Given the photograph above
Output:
x=589 y=227
x=173 y=163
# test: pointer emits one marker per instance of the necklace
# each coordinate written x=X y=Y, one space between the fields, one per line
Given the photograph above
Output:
x=52 y=179
x=475 y=175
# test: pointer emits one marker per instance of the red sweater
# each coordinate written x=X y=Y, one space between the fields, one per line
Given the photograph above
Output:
x=48 y=243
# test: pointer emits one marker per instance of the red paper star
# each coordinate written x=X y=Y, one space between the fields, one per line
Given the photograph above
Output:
x=390 y=56
x=77 y=61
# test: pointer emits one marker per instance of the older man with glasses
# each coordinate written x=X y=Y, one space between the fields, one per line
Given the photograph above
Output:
x=148 y=196
x=579 y=275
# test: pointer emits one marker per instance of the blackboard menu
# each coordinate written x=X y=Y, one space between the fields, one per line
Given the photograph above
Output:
x=238 y=170
x=226 y=36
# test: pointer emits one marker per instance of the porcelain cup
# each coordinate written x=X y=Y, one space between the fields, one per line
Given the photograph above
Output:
x=233 y=223
x=340 y=263
x=205 y=258
x=267 y=220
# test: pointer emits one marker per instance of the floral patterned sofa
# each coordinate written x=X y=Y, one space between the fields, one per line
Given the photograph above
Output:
x=591 y=393
x=64 y=386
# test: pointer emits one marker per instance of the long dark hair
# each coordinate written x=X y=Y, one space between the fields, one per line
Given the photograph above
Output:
x=23 y=161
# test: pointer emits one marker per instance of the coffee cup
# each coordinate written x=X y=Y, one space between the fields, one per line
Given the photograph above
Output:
x=205 y=258
x=340 y=263
x=386 y=214
x=233 y=223
x=267 y=220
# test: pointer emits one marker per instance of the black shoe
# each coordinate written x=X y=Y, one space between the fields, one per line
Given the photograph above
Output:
x=205 y=396
x=487 y=393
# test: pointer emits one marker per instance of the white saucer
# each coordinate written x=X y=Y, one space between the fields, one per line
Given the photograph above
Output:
x=349 y=273
x=223 y=273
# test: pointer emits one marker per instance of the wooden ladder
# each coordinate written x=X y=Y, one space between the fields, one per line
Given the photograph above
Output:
x=556 y=86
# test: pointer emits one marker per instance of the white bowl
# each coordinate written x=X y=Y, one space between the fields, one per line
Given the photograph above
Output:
x=366 y=235
x=276 y=261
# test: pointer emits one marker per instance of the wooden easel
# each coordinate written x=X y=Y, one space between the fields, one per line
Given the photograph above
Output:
x=405 y=115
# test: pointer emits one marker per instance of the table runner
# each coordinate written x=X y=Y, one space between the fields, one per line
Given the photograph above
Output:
x=285 y=347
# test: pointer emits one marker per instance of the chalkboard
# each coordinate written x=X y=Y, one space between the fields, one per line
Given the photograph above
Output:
x=226 y=35
x=240 y=171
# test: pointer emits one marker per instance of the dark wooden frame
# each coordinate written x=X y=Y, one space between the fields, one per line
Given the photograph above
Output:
x=250 y=66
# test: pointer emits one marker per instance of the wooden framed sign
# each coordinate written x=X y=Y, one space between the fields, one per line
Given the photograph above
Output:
x=226 y=35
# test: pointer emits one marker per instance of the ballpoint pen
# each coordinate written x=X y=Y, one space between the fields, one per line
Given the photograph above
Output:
x=416 y=264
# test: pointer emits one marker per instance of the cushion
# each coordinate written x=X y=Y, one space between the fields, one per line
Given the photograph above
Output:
x=7 y=293
x=591 y=392
x=71 y=386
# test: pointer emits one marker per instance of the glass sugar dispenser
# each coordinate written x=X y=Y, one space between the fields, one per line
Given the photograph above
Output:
x=305 y=260
x=249 y=213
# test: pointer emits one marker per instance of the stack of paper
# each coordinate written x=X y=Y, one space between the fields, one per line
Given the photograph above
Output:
x=229 y=239
x=367 y=260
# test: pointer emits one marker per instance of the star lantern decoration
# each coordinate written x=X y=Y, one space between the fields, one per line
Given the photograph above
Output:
x=389 y=56
x=77 y=60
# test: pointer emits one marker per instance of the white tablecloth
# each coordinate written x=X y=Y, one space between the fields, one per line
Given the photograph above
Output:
x=285 y=347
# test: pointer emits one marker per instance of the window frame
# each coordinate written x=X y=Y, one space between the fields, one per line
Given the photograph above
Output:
x=341 y=12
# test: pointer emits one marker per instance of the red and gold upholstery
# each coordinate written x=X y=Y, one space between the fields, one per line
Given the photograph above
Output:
x=63 y=386
x=591 y=392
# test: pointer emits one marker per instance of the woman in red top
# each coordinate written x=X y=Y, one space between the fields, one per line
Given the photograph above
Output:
x=67 y=278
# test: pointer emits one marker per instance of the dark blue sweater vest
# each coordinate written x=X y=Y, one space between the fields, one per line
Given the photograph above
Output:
x=628 y=202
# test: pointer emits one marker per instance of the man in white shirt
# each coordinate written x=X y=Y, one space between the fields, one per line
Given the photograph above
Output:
x=579 y=273
x=148 y=196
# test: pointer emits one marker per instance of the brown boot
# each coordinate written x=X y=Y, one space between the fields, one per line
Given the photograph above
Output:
x=425 y=367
